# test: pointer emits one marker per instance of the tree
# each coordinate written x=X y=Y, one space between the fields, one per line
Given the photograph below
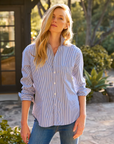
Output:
x=88 y=7
x=35 y=23
x=79 y=24
x=42 y=9
x=69 y=3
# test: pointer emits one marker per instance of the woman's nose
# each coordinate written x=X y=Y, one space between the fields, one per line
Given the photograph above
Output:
x=54 y=19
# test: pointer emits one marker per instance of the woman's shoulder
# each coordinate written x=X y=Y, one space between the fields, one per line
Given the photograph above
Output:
x=29 y=49
x=74 y=48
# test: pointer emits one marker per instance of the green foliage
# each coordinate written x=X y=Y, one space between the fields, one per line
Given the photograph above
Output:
x=95 y=82
x=112 y=57
x=108 y=43
x=79 y=24
x=9 y=135
x=8 y=50
x=35 y=22
x=96 y=57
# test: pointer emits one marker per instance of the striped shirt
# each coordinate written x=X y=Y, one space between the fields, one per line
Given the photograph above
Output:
x=55 y=87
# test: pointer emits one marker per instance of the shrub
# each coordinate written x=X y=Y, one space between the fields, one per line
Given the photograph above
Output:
x=95 y=82
x=112 y=57
x=96 y=57
x=8 y=51
x=9 y=135
x=108 y=43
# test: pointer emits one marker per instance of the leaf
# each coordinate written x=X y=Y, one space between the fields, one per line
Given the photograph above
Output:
x=87 y=77
x=99 y=86
x=99 y=76
x=101 y=81
x=104 y=78
x=93 y=73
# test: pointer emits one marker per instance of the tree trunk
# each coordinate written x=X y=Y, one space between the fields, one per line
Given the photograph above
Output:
x=88 y=30
x=99 y=22
x=40 y=6
x=69 y=4
x=104 y=35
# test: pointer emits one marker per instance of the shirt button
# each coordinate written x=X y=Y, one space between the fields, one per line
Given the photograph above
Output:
x=54 y=83
x=54 y=72
x=54 y=93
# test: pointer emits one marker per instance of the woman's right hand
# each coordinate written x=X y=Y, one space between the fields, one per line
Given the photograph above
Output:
x=25 y=133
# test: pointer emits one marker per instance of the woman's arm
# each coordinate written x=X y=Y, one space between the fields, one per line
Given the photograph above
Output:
x=27 y=93
x=25 y=111
x=82 y=103
x=80 y=122
x=82 y=92
x=25 y=131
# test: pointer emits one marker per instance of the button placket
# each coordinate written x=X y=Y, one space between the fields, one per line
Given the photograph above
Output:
x=55 y=91
x=54 y=98
x=54 y=82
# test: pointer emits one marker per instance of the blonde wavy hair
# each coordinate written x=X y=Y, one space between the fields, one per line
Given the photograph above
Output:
x=43 y=36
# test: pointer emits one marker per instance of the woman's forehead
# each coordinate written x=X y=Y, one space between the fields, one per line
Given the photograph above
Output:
x=59 y=11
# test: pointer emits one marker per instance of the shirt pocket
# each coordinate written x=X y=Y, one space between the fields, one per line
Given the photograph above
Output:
x=65 y=70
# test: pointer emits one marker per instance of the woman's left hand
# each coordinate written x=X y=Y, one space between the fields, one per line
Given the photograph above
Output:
x=79 y=126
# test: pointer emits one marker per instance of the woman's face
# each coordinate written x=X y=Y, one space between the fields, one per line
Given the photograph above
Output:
x=58 y=21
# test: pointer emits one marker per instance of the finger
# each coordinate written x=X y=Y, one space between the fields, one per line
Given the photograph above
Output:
x=75 y=126
x=79 y=130
x=24 y=139
x=28 y=135
x=77 y=134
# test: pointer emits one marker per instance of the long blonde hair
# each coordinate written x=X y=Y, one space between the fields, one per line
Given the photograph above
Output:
x=43 y=36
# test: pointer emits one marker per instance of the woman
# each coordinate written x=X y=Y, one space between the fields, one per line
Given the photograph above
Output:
x=52 y=69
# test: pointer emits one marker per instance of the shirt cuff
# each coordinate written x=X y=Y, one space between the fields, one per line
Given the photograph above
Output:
x=83 y=91
x=26 y=97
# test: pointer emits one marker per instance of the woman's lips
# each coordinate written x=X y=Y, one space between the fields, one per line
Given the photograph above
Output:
x=53 y=25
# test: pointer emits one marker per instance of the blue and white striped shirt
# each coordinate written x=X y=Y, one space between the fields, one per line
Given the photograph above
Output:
x=56 y=85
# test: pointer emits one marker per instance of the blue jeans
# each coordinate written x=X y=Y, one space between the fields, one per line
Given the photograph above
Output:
x=43 y=135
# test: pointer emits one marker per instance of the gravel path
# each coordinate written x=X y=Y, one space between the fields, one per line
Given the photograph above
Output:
x=99 y=123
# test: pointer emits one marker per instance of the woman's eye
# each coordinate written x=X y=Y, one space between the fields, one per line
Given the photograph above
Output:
x=59 y=18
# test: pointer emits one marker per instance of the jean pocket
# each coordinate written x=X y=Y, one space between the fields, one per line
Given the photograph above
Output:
x=35 y=120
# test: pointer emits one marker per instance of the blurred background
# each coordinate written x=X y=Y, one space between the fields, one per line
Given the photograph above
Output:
x=93 y=28
x=20 y=22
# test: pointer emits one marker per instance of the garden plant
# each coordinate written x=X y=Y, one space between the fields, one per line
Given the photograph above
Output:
x=9 y=135
x=95 y=81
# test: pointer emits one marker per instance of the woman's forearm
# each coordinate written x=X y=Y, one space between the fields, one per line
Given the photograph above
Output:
x=25 y=111
x=82 y=103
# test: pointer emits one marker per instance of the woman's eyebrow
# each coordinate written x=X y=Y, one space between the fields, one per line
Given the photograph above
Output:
x=59 y=15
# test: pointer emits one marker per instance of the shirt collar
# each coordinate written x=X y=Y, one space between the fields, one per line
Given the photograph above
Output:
x=62 y=40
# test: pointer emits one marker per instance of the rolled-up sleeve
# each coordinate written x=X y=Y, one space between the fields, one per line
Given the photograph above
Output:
x=28 y=90
x=79 y=80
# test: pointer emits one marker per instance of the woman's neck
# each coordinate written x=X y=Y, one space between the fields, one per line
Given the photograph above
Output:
x=54 y=40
